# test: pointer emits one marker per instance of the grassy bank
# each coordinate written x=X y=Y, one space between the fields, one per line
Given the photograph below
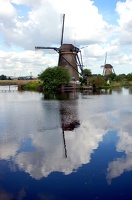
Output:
x=36 y=85
x=33 y=86
x=115 y=84
x=15 y=82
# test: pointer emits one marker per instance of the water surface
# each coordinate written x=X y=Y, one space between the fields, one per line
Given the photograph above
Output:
x=64 y=147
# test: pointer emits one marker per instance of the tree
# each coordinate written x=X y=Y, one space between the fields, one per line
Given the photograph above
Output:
x=98 y=80
x=120 y=77
x=111 y=76
x=54 y=77
x=3 y=77
x=87 y=72
x=129 y=77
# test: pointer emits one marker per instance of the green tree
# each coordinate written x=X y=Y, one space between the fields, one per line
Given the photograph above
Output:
x=54 y=77
x=129 y=77
x=120 y=77
x=3 y=77
x=111 y=76
x=87 y=72
x=97 y=80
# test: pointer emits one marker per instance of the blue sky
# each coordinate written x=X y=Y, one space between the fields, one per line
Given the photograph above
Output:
x=107 y=9
x=102 y=26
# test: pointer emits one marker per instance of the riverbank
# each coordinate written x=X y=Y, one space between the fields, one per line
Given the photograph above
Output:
x=36 y=85
x=15 y=82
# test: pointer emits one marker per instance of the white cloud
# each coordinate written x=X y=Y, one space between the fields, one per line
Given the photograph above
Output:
x=124 y=9
x=43 y=24
x=22 y=63
x=7 y=11
x=25 y=24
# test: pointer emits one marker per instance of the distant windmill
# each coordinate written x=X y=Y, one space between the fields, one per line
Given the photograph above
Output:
x=107 y=68
x=70 y=57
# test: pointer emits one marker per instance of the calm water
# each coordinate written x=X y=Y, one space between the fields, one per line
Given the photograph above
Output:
x=66 y=147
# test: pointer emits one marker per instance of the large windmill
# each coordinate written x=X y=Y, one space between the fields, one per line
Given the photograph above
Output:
x=107 y=68
x=70 y=57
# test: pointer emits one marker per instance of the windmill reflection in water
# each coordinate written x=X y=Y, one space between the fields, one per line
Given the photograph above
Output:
x=69 y=121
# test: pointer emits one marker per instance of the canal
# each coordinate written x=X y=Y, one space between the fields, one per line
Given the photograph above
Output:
x=66 y=146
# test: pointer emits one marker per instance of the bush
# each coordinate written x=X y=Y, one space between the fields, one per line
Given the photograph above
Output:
x=98 y=80
x=32 y=86
x=54 y=77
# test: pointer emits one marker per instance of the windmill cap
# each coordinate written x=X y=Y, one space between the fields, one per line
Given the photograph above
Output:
x=108 y=66
x=69 y=47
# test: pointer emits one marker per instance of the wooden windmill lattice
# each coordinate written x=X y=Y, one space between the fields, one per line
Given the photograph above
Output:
x=70 y=57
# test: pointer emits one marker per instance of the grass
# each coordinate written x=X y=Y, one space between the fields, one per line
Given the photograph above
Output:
x=15 y=82
x=32 y=86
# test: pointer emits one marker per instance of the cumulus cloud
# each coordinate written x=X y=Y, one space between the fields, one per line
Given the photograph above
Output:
x=26 y=24
x=124 y=9
x=23 y=63
x=42 y=24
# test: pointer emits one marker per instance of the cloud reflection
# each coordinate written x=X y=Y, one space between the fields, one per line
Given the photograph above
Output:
x=124 y=144
x=8 y=149
x=46 y=138
x=49 y=156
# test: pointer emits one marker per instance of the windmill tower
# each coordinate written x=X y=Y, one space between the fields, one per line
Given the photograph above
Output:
x=70 y=57
x=107 y=68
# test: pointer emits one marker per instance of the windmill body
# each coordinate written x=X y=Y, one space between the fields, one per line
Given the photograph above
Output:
x=69 y=57
x=107 y=68
x=68 y=60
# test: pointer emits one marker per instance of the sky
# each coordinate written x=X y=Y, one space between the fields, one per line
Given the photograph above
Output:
x=95 y=26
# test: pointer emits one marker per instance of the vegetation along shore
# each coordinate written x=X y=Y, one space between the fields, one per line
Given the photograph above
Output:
x=54 y=78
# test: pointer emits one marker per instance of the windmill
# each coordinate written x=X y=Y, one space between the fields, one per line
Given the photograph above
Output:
x=107 y=68
x=70 y=56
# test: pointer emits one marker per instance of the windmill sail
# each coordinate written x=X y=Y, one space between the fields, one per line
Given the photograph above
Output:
x=62 y=29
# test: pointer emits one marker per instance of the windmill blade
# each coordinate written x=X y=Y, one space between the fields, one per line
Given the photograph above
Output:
x=84 y=47
x=103 y=66
x=62 y=34
x=80 y=63
x=38 y=48
x=105 y=59
x=104 y=71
